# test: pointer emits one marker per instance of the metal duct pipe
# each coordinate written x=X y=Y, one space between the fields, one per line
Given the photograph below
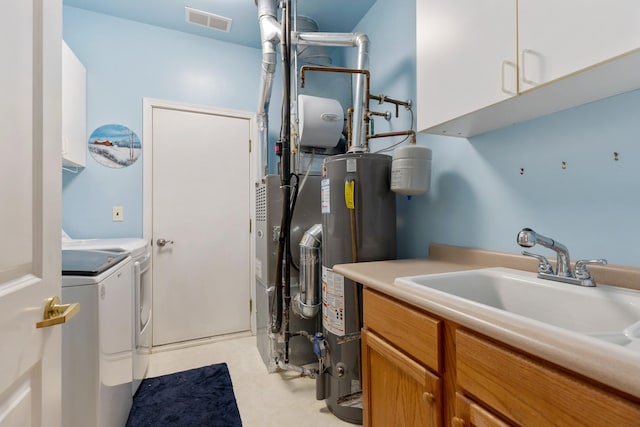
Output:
x=361 y=41
x=306 y=53
x=270 y=34
x=307 y=302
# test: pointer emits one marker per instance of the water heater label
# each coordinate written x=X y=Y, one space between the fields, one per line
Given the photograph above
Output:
x=333 y=301
x=325 y=196
x=352 y=166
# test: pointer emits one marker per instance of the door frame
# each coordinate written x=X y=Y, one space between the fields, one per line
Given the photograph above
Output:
x=147 y=181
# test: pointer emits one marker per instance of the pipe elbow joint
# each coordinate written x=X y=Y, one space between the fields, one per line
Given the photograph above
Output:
x=270 y=29
x=360 y=39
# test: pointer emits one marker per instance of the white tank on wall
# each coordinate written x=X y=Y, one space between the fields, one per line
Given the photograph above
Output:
x=411 y=170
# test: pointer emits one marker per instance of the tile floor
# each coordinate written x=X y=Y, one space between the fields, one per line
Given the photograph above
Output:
x=282 y=399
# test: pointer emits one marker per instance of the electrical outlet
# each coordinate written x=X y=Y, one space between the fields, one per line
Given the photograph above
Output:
x=117 y=213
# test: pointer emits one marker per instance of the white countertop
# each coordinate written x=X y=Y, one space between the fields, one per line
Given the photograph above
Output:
x=599 y=360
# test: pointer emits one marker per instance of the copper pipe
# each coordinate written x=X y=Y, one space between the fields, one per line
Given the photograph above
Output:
x=386 y=115
x=390 y=134
x=381 y=99
x=377 y=113
x=368 y=113
x=367 y=75
x=356 y=285
x=305 y=68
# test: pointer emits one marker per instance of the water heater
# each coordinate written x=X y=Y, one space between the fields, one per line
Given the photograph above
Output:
x=359 y=224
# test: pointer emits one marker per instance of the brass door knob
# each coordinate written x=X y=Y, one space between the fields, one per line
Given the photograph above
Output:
x=56 y=313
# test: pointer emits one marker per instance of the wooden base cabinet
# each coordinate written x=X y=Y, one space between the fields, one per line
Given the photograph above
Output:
x=419 y=370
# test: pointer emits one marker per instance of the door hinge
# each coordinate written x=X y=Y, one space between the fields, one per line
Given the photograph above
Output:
x=249 y=145
x=250 y=305
x=250 y=225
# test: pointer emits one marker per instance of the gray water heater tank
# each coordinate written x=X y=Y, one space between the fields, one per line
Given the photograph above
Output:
x=359 y=224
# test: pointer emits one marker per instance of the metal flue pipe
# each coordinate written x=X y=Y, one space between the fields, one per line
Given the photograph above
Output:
x=273 y=33
x=270 y=35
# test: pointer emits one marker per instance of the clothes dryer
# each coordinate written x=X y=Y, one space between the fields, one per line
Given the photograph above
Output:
x=140 y=252
x=97 y=347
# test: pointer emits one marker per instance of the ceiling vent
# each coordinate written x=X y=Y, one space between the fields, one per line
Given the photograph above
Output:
x=206 y=19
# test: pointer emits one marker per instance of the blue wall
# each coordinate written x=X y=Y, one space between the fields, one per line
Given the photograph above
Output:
x=479 y=198
x=125 y=62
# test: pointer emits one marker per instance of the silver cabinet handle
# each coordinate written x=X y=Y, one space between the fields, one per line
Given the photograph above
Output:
x=502 y=74
x=164 y=242
x=523 y=55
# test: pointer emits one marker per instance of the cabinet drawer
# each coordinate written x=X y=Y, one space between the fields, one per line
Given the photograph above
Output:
x=470 y=414
x=407 y=328
x=531 y=393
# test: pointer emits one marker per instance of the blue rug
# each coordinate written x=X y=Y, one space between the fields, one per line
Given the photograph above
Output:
x=198 y=397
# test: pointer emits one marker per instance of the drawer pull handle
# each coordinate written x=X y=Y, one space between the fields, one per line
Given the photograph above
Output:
x=428 y=397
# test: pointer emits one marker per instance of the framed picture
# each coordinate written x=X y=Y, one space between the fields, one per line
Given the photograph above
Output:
x=114 y=146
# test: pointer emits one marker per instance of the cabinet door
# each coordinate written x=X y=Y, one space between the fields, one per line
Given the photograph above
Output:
x=74 y=110
x=397 y=391
x=466 y=57
x=557 y=38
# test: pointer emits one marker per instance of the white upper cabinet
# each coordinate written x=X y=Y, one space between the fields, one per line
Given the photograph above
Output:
x=74 y=110
x=466 y=57
x=485 y=65
x=558 y=38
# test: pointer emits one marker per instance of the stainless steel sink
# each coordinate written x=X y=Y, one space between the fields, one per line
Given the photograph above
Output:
x=604 y=312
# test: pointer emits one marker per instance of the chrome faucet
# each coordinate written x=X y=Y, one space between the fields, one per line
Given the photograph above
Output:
x=528 y=238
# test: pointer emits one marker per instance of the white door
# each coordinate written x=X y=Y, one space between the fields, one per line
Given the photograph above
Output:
x=30 y=210
x=201 y=190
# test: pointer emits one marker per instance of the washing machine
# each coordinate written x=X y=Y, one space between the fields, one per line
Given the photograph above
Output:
x=140 y=252
x=97 y=346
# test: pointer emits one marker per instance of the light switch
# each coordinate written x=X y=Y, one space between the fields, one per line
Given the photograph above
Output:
x=118 y=213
